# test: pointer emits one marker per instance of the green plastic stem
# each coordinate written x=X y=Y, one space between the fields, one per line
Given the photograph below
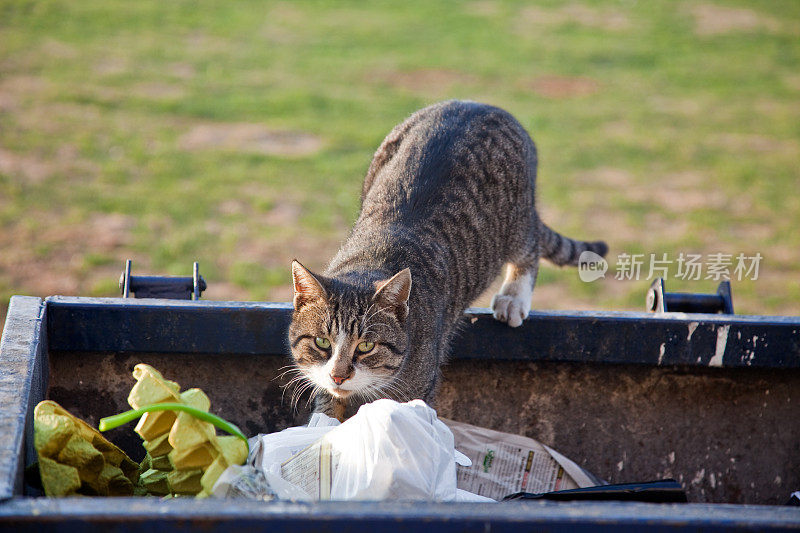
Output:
x=111 y=422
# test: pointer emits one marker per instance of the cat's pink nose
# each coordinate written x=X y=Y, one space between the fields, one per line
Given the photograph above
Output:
x=339 y=380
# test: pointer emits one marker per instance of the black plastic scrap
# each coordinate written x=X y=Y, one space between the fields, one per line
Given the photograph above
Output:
x=662 y=491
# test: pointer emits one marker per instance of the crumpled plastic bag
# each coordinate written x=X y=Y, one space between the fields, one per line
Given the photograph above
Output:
x=387 y=451
x=269 y=451
x=393 y=451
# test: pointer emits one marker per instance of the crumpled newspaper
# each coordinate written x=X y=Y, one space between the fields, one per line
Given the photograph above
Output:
x=244 y=483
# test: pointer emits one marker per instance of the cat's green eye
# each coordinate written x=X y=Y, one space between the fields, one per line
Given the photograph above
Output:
x=322 y=343
x=365 y=346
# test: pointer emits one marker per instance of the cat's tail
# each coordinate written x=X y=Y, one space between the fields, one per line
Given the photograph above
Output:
x=562 y=250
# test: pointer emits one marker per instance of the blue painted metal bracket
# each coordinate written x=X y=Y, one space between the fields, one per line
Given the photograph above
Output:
x=170 y=326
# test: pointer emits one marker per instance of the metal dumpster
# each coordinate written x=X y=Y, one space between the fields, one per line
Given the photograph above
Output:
x=710 y=400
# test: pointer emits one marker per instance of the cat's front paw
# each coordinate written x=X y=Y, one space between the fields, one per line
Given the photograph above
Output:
x=510 y=309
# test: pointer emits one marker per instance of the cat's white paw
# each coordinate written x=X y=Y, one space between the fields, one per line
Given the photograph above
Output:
x=513 y=303
x=510 y=309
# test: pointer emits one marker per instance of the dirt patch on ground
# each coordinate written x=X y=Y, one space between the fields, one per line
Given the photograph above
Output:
x=285 y=24
x=564 y=86
x=159 y=90
x=607 y=177
x=14 y=89
x=672 y=196
x=680 y=200
x=37 y=168
x=248 y=137
x=110 y=231
x=754 y=143
x=49 y=258
x=429 y=80
x=226 y=291
x=482 y=8
x=111 y=66
x=678 y=193
x=59 y=49
x=184 y=71
x=619 y=129
x=26 y=169
x=678 y=106
x=591 y=17
x=283 y=214
x=792 y=81
x=710 y=19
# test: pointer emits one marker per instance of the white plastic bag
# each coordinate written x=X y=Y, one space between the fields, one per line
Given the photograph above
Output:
x=388 y=450
x=269 y=451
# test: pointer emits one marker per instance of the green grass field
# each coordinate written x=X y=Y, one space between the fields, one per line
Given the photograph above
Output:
x=237 y=133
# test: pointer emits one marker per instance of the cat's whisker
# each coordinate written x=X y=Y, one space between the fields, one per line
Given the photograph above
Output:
x=299 y=391
x=368 y=394
x=293 y=398
x=294 y=381
x=364 y=318
x=289 y=371
x=368 y=316
x=362 y=395
x=315 y=391
x=375 y=325
x=299 y=397
x=391 y=385
x=379 y=310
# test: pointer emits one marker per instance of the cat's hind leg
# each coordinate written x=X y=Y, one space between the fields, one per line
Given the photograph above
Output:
x=513 y=303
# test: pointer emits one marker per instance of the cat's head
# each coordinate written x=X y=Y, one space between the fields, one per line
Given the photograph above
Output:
x=349 y=337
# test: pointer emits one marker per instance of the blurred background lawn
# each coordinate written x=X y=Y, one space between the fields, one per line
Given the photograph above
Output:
x=237 y=133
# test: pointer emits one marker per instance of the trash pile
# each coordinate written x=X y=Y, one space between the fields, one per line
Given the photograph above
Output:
x=185 y=457
x=386 y=451
x=397 y=451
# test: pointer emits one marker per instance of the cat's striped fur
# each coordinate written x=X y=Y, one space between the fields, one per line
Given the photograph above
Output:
x=447 y=201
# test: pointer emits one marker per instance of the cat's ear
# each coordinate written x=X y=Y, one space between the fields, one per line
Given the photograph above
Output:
x=307 y=288
x=394 y=293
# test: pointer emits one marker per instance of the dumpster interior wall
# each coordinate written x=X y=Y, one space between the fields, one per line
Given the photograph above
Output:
x=727 y=434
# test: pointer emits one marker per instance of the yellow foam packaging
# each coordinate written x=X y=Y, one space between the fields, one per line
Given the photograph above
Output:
x=196 y=454
x=74 y=458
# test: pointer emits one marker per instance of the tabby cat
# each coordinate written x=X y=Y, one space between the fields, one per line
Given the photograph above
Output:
x=447 y=201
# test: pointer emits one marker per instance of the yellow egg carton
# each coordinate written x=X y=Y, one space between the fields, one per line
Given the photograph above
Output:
x=184 y=454
x=74 y=458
